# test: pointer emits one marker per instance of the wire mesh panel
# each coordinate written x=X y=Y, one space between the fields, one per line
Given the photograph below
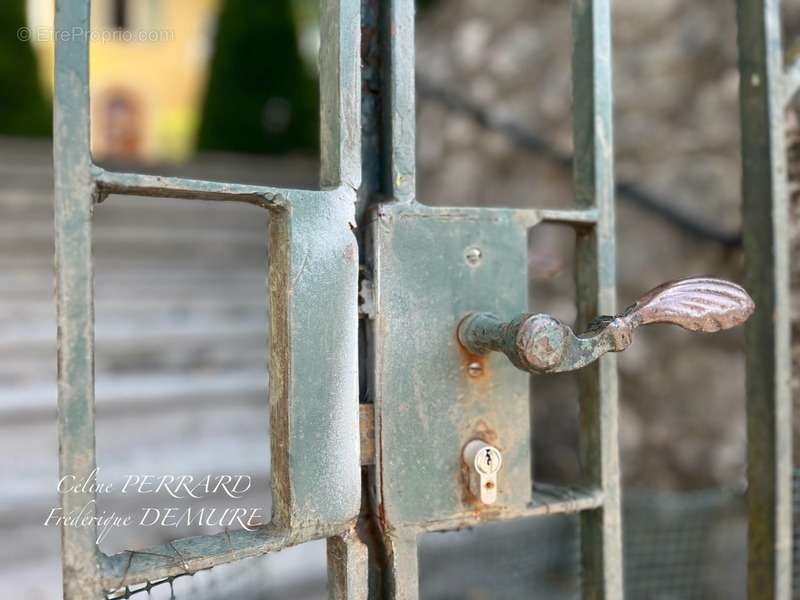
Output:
x=676 y=546
x=671 y=543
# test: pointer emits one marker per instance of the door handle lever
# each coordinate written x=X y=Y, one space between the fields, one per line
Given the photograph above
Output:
x=539 y=343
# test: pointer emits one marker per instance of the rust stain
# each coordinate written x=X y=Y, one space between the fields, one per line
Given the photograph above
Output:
x=382 y=514
x=367 y=433
x=481 y=431
x=468 y=363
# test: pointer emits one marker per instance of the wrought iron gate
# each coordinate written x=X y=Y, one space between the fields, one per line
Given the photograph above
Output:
x=397 y=278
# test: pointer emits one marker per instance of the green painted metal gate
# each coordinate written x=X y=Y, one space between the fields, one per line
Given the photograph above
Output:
x=389 y=415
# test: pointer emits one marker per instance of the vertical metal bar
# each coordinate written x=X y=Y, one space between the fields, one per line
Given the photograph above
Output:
x=316 y=466
x=313 y=253
x=389 y=172
x=75 y=294
x=765 y=218
x=403 y=576
x=372 y=126
x=340 y=93
x=400 y=107
x=601 y=539
x=348 y=570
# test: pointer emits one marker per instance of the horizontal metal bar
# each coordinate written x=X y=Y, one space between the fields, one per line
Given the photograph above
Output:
x=547 y=500
x=579 y=217
x=135 y=184
x=551 y=499
x=588 y=216
x=529 y=217
x=791 y=81
x=190 y=555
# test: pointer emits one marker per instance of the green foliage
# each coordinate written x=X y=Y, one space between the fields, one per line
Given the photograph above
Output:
x=24 y=110
x=423 y=5
x=260 y=97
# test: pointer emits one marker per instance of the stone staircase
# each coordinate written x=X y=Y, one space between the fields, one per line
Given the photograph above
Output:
x=181 y=349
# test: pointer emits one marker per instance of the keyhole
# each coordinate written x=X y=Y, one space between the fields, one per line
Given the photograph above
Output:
x=488 y=458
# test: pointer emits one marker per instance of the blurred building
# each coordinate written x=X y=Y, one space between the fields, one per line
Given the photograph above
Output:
x=149 y=65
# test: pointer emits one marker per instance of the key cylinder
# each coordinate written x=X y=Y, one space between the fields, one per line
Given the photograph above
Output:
x=483 y=463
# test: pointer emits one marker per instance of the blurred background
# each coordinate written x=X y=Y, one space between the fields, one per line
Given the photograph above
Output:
x=228 y=90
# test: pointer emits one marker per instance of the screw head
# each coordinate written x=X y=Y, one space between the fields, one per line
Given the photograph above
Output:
x=474 y=369
x=473 y=256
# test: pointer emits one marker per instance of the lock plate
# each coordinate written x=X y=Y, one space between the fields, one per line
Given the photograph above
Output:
x=432 y=267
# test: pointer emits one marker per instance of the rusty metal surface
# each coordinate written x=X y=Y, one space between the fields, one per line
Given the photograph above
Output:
x=314 y=403
x=190 y=555
x=765 y=219
x=430 y=267
x=347 y=568
x=593 y=165
x=75 y=298
x=403 y=566
x=426 y=385
x=313 y=254
x=367 y=433
x=428 y=394
x=542 y=344
x=400 y=99
x=340 y=93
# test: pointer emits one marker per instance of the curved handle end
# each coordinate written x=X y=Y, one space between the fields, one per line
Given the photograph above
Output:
x=543 y=344
x=703 y=304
